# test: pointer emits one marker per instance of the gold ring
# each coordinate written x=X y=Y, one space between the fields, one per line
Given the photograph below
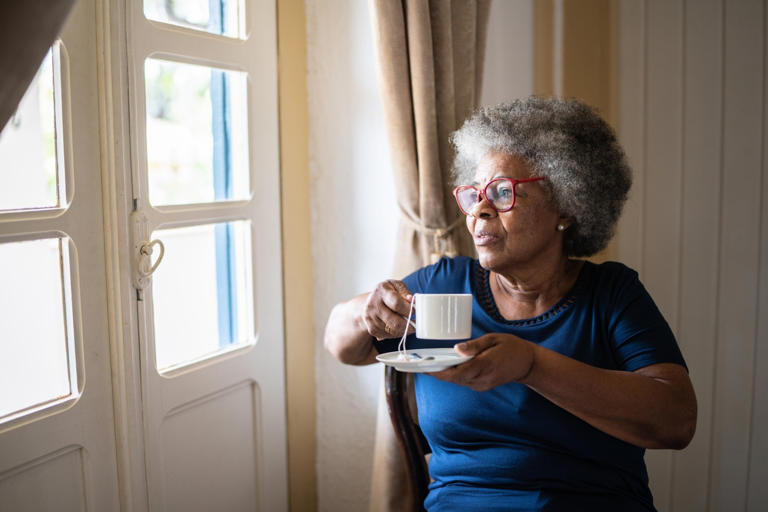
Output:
x=386 y=329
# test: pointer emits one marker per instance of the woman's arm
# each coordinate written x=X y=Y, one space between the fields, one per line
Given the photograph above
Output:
x=354 y=325
x=652 y=407
x=346 y=337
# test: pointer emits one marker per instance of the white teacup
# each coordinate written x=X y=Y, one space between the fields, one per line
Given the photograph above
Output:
x=444 y=316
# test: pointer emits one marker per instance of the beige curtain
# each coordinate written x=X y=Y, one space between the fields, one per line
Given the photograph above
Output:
x=430 y=56
x=27 y=29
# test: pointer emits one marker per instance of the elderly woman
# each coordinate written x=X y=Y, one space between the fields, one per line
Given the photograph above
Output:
x=575 y=371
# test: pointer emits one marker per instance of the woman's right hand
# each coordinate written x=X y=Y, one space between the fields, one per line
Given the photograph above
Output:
x=379 y=314
x=386 y=310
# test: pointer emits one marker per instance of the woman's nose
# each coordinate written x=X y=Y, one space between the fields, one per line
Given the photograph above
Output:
x=483 y=209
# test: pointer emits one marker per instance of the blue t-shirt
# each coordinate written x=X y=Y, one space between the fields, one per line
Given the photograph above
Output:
x=510 y=448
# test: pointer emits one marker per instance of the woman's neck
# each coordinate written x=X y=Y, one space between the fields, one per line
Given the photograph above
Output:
x=529 y=292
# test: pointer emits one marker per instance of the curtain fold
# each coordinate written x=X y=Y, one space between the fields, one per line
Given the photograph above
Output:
x=429 y=56
x=27 y=30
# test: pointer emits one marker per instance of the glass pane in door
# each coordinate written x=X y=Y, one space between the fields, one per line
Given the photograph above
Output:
x=223 y=17
x=29 y=177
x=201 y=292
x=197 y=132
x=37 y=347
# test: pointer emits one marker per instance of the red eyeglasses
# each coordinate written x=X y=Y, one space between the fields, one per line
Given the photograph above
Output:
x=499 y=192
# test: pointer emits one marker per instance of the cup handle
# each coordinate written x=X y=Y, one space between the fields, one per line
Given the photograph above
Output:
x=409 y=321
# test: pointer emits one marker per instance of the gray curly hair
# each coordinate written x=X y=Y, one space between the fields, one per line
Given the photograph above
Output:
x=567 y=142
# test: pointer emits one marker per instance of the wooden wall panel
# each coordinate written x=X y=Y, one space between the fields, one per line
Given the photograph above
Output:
x=700 y=202
x=692 y=94
x=757 y=490
x=739 y=232
x=631 y=126
x=663 y=177
x=587 y=72
x=543 y=48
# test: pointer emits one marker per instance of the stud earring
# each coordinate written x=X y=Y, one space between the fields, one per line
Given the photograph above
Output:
x=561 y=227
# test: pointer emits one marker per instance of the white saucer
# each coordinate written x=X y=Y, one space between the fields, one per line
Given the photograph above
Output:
x=423 y=359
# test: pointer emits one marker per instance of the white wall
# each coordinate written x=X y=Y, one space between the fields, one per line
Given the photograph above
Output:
x=353 y=207
x=354 y=211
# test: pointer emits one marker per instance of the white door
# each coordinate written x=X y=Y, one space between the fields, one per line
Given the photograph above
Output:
x=205 y=183
x=57 y=434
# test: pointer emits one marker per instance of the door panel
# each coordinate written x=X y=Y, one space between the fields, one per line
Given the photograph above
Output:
x=62 y=456
x=210 y=317
x=198 y=423
x=52 y=482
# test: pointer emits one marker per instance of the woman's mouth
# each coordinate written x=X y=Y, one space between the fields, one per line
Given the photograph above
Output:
x=485 y=238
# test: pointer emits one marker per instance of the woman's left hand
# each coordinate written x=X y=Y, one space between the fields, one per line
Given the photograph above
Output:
x=498 y=359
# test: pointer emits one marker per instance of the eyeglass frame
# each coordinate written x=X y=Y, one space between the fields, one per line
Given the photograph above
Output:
x=482 y=194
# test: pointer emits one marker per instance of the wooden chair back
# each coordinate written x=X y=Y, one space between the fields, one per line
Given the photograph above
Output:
x=414 y=445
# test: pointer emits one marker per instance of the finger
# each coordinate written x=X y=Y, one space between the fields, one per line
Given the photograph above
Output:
x=397 y=297
x=386 y=308
x=372 y=313
x=403 y=290
x=395 y=324
x=476 y=346
x=463 y=374
x=384 y=324
x=374 y=327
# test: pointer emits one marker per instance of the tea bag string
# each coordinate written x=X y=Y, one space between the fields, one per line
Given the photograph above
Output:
x=401 y=352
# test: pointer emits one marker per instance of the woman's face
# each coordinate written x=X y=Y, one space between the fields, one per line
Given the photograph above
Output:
x=526 y=234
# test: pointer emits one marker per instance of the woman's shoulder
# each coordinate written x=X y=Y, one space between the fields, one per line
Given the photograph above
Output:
x=611 y=279
x=612 y=270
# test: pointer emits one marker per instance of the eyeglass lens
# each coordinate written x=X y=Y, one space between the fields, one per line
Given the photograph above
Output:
x=500 y=193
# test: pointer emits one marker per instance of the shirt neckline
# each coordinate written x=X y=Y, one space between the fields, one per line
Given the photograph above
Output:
x=488 y=303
